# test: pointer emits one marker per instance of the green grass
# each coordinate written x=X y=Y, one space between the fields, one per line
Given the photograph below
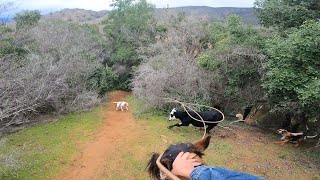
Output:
x=43 y=151
x=283 y=155
x=157 y=123
x=158 y=136
x=257 y=158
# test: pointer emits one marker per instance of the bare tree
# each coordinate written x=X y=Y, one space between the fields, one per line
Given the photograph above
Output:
x=53 y=76
x=5 y=6
x=170 y=67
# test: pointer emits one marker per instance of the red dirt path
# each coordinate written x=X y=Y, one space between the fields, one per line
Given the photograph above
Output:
x=244 y=149
x=93 y=157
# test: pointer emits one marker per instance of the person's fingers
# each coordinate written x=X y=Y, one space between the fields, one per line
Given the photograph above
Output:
x=191 y=160
x=196 y=164
x=180 y=154
x=185 y=155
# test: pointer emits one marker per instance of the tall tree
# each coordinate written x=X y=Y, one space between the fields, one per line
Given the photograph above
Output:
x=287 y=13
x=128 y=27
x=293 y=75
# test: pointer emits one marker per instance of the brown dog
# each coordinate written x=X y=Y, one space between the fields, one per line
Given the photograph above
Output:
x=289 y=137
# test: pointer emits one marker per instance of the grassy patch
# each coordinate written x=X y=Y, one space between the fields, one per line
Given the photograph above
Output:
x=315 y=153
x=222 y=148
x=283 y=155
x=43 y=151
x=141 y=111
x=245 y=153
x=157 y=123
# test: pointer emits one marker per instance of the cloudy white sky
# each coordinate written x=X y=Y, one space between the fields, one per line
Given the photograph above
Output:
x=105 y=4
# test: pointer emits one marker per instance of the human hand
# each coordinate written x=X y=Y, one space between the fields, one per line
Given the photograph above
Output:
x=182 y=166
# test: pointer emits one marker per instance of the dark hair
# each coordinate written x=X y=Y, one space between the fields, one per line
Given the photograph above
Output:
x=171 y=153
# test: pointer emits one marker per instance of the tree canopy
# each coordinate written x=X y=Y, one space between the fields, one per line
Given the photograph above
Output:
x=286 y=13
x=293 y=75
x=128 y=27
x=27 y=18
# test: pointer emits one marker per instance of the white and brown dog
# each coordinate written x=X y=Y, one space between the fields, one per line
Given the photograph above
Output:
x=289 y=137
x=121 y=105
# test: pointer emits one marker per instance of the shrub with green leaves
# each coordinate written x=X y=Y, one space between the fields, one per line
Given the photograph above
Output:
x=128 y=27
x=27 y=19
x=104 y=79
x=286 y=14
x=293 y=75
x=237 y=61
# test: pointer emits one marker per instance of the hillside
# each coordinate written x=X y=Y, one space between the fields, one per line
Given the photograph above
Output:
x=78 y=15
x=216 y=14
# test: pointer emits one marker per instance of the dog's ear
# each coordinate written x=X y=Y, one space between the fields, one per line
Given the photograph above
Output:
x=202 y=144
x=167 y=163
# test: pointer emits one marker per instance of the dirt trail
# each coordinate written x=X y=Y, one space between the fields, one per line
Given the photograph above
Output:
x=117 y=125
x=122 y=145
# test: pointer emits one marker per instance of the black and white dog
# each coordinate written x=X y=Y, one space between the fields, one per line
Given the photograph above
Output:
x=210 y=118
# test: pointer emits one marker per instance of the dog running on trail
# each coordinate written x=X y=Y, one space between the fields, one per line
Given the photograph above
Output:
x=121 y=105
x=289 y=137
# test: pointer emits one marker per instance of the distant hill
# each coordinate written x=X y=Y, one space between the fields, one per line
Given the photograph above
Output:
x=5 y=19
x=214 y=13
x=78 y=15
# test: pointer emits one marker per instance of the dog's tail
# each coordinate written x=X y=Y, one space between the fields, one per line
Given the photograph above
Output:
x=115 y=102
x=310 y=137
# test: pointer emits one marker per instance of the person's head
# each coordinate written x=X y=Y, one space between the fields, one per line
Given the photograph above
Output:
x=195 y=149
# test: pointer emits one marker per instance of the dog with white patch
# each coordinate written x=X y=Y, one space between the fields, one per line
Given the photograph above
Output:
x=121 y=105
x=289 y=137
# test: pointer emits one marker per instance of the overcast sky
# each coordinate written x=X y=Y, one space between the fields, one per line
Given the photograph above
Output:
x=105 y=4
